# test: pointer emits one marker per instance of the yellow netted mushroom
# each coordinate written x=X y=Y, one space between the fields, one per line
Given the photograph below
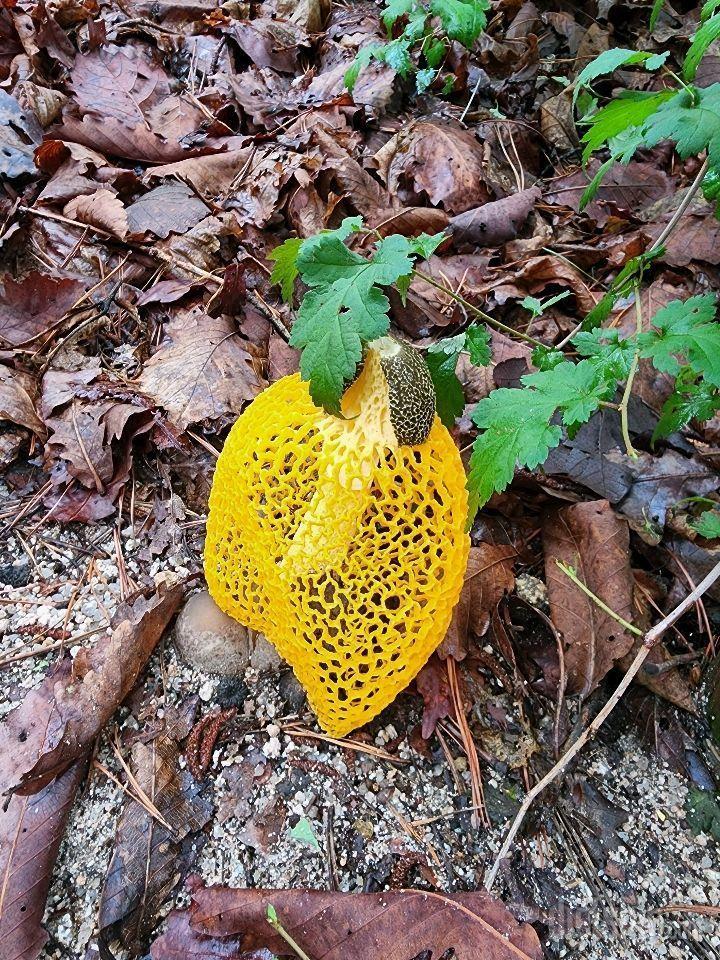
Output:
x=343 y=540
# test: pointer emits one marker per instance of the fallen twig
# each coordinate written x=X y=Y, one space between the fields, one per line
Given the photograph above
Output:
x=649 y=641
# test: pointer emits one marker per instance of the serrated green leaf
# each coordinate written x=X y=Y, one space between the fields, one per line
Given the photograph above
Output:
x=517 y=424
x=394 y=9
x=707 y=34
x=610 y=354
x=547 y=358
x=424 y=79
x=689 y=401
x=425 y=244
x=435 y=51
x=362 y=59
x=685 y=329
x=625 y=114
x=610 y=60
x=517 y=431
x=708 y=524
x=345 y=307
x=396 y=54
x=462 y=20
x=691 y=118
x=285 y=270
x=477 y=341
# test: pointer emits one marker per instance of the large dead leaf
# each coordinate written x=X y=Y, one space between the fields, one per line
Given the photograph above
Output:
x=18 y=396
x=347 y=926
x=149 y=860
x=170 y=208
x=101 y=209
x=58 y=721
x=19 y=134
x=31 y=829
x=201 y=371
x=438 y=162
x=32 y=305
x=489 y=576
x=593 y=540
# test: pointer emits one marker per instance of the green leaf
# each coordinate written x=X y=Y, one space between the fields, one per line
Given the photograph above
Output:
x=362 y=59
x=610 y=60
x=703 y=812
x=462 y=20
x=538 y=307
x=272 y=914
x=477 y=341
x=691 y=118
x=610 y=355
x=547 y=358
x=345 y=307
x=394 y=9
x=424 y=79
x=434 y=52
x=396 y=54
x=707 y=34
x=655 y=13
x=689 y=401
x=304 y=833
x=685 y=329
x=285 y=269
x=442 y=360
x=708 y=9
x=708 y=525
x=626 y=114
x=426 y=244
x=517 y=424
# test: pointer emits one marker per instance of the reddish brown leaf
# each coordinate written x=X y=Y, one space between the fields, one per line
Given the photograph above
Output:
x=434 y=687
x=32 y=305
x=58 y=721
x=31 y=829
x=436 y=161
x=336 y=926
x=201 y=370
x=101 y=209
x=489 y=576
x=593 y=540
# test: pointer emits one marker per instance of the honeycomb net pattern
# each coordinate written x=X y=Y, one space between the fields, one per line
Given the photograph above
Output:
x=347 y=550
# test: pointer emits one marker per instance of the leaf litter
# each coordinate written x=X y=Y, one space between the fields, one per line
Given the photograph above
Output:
x=151 y=164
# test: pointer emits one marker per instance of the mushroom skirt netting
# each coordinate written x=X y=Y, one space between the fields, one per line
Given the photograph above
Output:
x=346 y=549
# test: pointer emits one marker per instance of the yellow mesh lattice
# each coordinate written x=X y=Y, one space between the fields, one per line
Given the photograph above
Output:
x=346 y=550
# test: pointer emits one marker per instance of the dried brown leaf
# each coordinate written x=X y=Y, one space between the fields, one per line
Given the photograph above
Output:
x=489 y=576
x=32 y=305
x=149 y=860
x=101 y=209
x=346 y=926
x=201 y=371
x=494 y=223
x=58 y=720
x=592 y=539
x=18 y=395
x=170 y=208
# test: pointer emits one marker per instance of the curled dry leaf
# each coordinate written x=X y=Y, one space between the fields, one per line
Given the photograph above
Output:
x=58 y=721
x=102 y=209
x=149 y=860
x=592 y=539
x=488 y=578
x=31 y=306
x=494 y=223
x=433 y=685
x=347 y=926
x=201 y=371
x=18 y=396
